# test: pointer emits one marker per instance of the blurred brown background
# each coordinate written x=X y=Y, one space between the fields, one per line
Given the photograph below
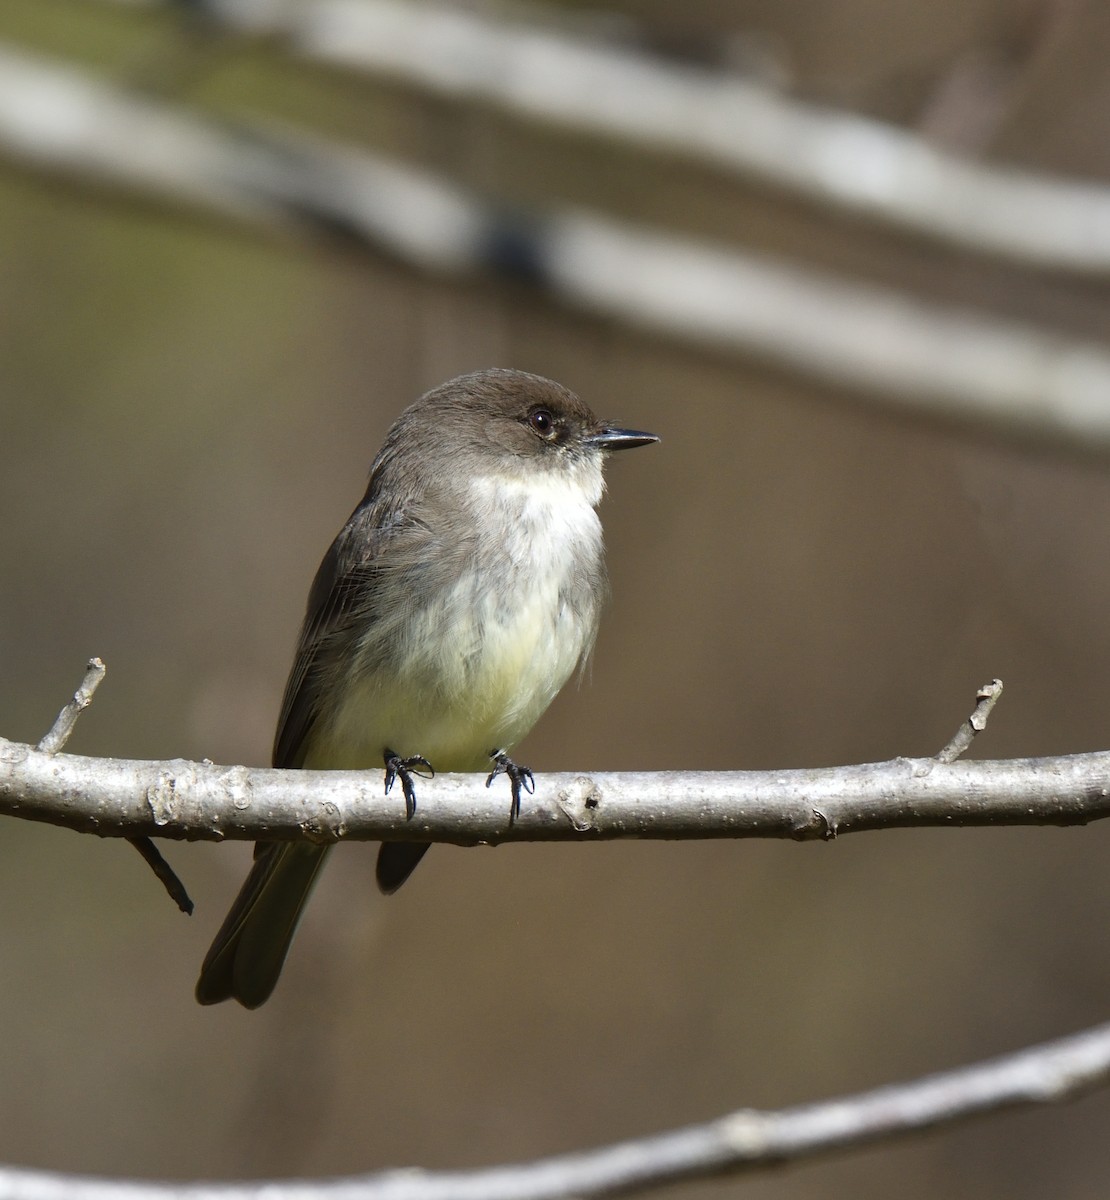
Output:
x=188 y=414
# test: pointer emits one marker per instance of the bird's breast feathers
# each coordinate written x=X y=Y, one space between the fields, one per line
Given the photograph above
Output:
x=476 y=662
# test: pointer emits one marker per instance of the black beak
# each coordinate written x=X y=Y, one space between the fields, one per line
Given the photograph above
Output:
x=607 y=438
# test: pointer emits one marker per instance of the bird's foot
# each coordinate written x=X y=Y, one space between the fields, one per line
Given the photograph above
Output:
x=404 y=769
x=518 y=776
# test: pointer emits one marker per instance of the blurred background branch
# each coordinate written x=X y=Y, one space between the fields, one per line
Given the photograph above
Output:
x=606 y=85
x=939 y=361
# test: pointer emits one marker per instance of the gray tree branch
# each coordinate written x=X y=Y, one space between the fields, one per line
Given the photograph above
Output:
x=204 y=801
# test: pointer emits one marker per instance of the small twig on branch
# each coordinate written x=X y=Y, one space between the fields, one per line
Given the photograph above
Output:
x=63 y=725
x=987 y=698
x=57 y=737
x=152 y=856
x=742 y=1141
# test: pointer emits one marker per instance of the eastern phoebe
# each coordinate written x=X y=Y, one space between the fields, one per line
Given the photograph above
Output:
x=452 y=607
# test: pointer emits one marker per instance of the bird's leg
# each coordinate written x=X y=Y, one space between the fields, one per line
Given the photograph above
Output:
x=404 y=769
x=519 y=776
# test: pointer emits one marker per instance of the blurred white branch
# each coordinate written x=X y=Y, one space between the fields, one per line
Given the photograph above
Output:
x=741 y=1141
x=938 y=361
x=830 y=158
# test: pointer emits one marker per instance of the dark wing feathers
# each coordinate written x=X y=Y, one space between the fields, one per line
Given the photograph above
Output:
x=339 y=588
x=380 y=536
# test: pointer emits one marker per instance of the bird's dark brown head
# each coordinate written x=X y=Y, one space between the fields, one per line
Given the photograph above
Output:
x=502 y=411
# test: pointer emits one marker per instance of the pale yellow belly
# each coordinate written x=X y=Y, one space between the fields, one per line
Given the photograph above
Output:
x=460 y=692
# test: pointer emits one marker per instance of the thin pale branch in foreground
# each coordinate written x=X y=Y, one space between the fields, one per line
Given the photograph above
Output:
x=742 y=1141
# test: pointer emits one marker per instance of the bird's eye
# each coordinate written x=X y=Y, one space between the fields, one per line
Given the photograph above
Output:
x=542 y=421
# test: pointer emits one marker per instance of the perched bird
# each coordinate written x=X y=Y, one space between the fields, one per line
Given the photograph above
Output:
x=453 y=605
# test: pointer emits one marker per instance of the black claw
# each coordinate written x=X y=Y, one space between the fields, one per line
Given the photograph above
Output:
x=519 y=777
x=404 y=769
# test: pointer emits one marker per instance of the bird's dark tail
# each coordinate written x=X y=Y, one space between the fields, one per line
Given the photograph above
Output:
x=396 y=862
x=247 y=955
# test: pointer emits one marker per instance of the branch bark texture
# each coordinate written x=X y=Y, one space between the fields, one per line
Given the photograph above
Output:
x=190 y=800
